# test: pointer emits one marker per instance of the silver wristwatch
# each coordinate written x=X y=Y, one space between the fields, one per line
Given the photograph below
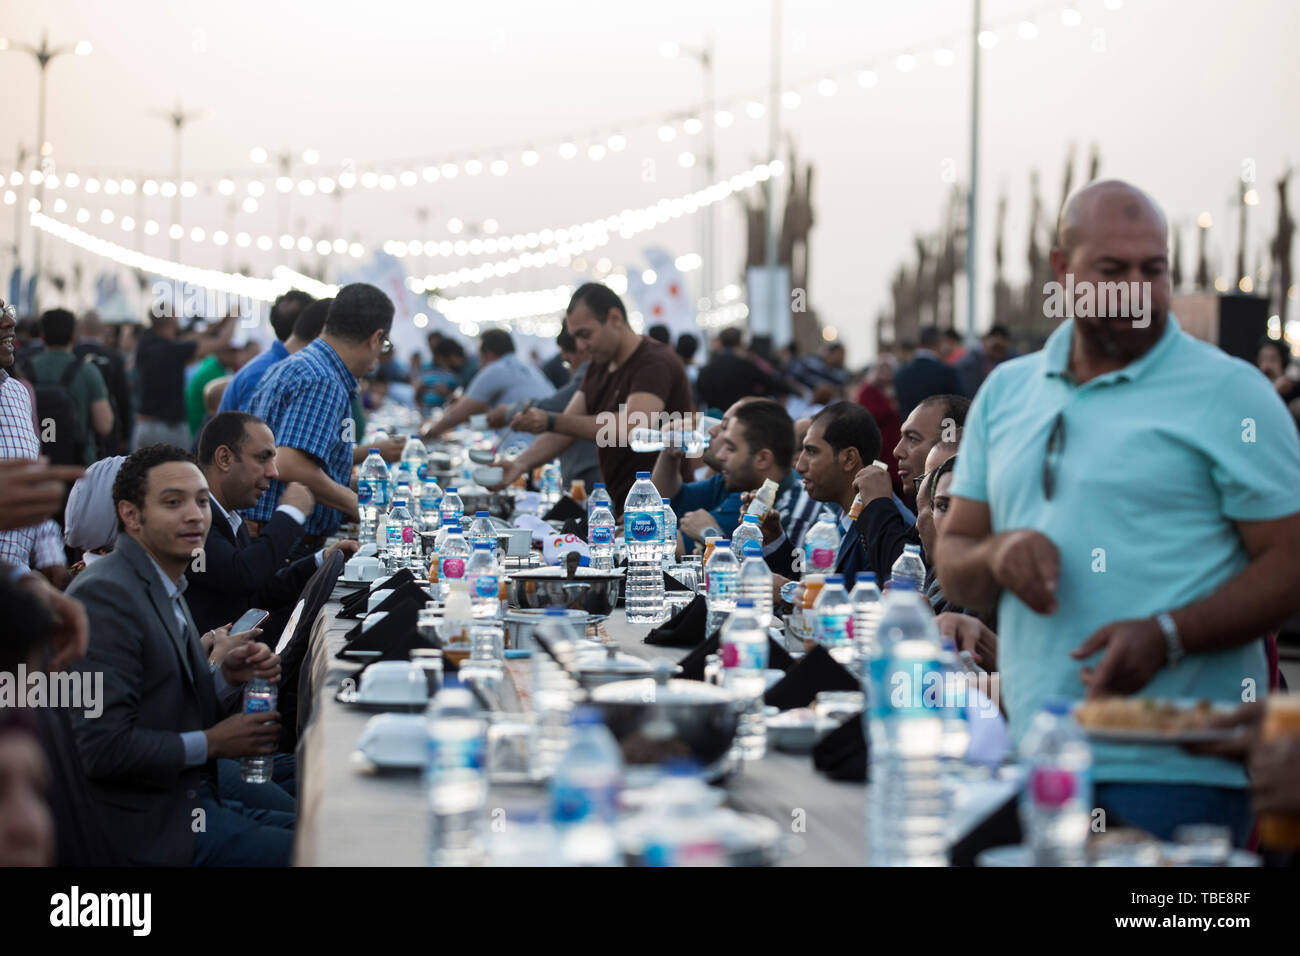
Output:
x=1173 y=643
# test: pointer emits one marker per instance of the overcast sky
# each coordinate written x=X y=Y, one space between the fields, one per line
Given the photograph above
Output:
x=1176 y=93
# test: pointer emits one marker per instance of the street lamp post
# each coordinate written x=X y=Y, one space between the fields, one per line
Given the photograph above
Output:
x=43 y=55
x=178 y=119
x=704 y=55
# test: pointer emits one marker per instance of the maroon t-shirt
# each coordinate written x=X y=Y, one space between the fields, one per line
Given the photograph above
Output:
x=654 y=368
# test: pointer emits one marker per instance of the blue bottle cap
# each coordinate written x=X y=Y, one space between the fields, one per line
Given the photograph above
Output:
x=901 y=585
x=374 y=451
x=554 y=611
x=481 y=514
x=588 y=717
x=451 y=491
x=751 y=519
x=666 y=501
x=482 y=545
x=721 y=543
x=642 y=474
x=867 y=576
x=744 y=602
x=1056 y=706
x=834 y=579
x=599 y=484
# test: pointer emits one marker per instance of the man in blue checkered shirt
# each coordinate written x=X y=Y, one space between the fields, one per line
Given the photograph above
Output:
x=306 y=401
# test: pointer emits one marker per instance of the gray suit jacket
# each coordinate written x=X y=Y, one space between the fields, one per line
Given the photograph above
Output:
x=157 y=685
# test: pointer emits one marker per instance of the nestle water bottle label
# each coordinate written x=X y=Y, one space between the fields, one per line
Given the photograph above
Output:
x=422 y=472
x=486 y=585
x=259 y=704
x=819 y=558
x=723 y=586
x=365 y=491
x=575 y=804
x=752 y=549
x=461 y=754
x=452 y=568
x=602 y=534
x=832 y=630
x=640 y=526
x=749 y=656
x=1053 y=787
x=394 y=534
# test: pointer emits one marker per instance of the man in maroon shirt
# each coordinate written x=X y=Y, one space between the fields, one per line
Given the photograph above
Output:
x=631 y=382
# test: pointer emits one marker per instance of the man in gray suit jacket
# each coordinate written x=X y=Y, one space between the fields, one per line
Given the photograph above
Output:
x=165 y=709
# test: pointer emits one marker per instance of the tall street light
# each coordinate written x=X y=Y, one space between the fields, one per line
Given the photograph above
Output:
x=43 y=55
x=178 y=119
x=704 y=55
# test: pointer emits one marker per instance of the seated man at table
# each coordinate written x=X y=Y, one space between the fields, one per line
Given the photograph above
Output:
x=841 y=440
x=707 y=504
x=237 y=571
x=166 y=716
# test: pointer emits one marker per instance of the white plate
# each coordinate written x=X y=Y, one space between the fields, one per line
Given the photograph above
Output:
x=354 y=699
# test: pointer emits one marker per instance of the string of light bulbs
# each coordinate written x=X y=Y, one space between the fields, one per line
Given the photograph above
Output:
x=547 y=246
x=594 y=143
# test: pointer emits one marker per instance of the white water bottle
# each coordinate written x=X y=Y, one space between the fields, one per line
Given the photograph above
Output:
x=372 y=494
x=723 y=576
x=600 y=538
x=484 y=578
x=908 y=567
x=643 y=539
x=670 y=534
x=821 y=544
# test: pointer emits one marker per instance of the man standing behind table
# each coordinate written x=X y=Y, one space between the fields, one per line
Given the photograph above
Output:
x=289 y=310
x=503 y=378
x=1127 y=496
x=306 y=401
x=160 y=360
x=632 y=379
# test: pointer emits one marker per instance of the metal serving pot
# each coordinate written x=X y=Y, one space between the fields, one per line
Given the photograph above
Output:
x=521 y=622
x=595 y=593
x=658 y=718
x=605 y=665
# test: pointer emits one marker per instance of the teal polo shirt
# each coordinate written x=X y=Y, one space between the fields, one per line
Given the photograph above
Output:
x=1160 y=459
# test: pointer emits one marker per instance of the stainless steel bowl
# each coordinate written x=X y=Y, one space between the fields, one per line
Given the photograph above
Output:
x=594 y=593
x=603 y=665
x=658 y=718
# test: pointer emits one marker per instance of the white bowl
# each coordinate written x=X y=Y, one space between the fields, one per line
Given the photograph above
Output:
x=376 y=598
x=394 y=740
x=362 y=569
x=393 y=682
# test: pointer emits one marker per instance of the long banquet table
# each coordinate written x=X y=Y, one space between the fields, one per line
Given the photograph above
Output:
x=349 y=816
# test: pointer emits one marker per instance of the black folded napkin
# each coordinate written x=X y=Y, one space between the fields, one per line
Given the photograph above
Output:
x=692 y=665
x=672 y=584
x=818 y=671
x=565 y=509
x=354 y=605
x=576 y=526
x=842 y=753
x=683 y=629
x=403 y=610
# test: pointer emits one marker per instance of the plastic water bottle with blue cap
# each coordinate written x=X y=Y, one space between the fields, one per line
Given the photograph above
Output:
x=599 y=496
x=723 y=575
x=643 y=540
x=1056 y=804
x=908 y=567
x=747 y=541
x=833 y=619
x=585 y=793
x=670 y=534
x=600 y=537
x=372 y=495
x=456 y=778
x=743 y=646
x=453 y=509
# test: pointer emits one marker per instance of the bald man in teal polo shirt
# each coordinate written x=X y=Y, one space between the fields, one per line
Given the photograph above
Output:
x=1129 y=497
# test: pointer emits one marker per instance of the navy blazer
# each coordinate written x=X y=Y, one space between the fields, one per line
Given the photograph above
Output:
x=242 y=572
x=921 y=378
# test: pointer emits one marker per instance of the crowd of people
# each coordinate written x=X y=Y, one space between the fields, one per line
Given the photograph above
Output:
x=1092 y=517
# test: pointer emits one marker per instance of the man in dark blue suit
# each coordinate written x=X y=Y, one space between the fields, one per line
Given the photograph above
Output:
x=925 y=375
x=842 y=439
x=234 y=571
